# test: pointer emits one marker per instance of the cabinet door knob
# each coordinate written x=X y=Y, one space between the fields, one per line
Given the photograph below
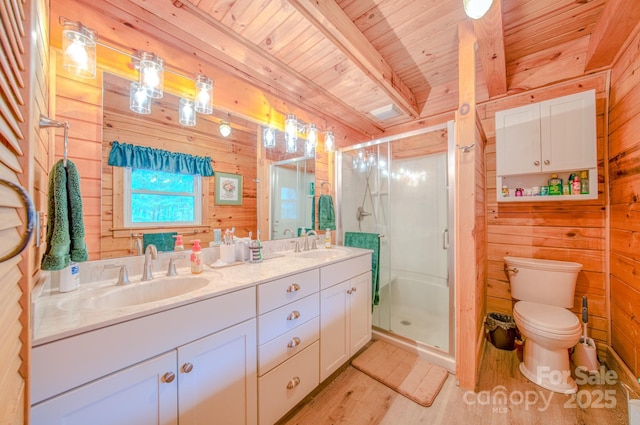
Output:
x=294 y=382
x=294 y=342
x=349 y=291
x=536 y=163
x=168 y=377
x=293 y=288
x=293 y=315
x=187 y=367
x=547 y=162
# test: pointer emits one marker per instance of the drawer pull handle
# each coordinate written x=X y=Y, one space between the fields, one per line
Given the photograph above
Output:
x=354 y=289
x=536 y=163
x=187 y=367
x=293 y=288
x=349 y=291
x=547 y=162
x=293 y=383
x=295 y=341
x=293 y=315
x=168 y=377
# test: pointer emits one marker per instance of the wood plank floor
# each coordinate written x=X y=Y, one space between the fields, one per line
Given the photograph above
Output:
x=354 y=398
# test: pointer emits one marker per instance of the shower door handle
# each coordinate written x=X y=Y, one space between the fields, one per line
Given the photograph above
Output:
x=445 y=239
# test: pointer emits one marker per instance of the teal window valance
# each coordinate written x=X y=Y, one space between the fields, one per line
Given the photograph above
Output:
x=143 y=157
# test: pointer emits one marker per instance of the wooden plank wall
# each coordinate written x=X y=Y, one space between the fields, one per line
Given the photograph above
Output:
x=480 y=233
x=569 y=231
x=624 y=199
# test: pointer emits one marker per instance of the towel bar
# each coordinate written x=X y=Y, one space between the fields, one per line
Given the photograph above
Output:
x=27 y=204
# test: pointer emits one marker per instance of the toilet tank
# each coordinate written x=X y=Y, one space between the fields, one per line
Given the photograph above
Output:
x=548 y=282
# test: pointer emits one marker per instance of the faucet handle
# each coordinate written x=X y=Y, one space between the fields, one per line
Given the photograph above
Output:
x=172 y=265
x=297 y=246
x=314 y=243
x=123 y=276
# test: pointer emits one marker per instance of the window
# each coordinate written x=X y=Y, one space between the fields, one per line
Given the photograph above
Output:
x=157 y=197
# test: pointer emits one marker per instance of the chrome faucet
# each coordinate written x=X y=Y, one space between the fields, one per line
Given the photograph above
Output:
x=306 y=240
x=137 y=246
x=284 y=232
x=150 y=253
x=123 y=276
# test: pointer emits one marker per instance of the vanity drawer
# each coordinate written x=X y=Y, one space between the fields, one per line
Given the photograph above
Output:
x=279 y=292
x=344 y=270
x=283 y=319
x=287 y=345
x=286 y=385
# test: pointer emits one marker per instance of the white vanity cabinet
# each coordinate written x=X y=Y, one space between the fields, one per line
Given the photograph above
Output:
x=345 y=312
x=554 y=136
x=194 y=364
x=288 y=347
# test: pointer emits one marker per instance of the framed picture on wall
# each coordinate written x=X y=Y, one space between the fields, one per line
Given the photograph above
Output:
x=228 y=189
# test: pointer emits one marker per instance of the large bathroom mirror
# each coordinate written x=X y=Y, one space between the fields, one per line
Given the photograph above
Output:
x=292 y=197
x=234 y=154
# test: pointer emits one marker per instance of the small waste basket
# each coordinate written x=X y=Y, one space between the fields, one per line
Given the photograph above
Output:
x=501 y=330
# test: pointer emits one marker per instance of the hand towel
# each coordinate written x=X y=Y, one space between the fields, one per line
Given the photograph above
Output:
x=164 y=242
x=326 y=213
x=65 y=224
x=368 y=241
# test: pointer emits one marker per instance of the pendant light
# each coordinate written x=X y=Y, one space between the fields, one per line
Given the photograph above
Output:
x=139 y=102
x=329 y=141
x=268 y=137
x=475 y=9
x=187 y=113
x=79 y=47
x=204 y=94
x=291 y=133
x=151 y=69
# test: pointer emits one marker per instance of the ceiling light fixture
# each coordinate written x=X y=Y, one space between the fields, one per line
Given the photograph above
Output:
x=224 y=128
x=138 y=100
x=268 y=137
x=204 y=94
x=79 y=47
x=186 y=113
x=329 y=141
x=291 y=133
x=475 y=9
x=151 y=68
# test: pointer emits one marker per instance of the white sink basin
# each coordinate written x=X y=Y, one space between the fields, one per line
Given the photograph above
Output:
x=325 y=254
x=146 y=292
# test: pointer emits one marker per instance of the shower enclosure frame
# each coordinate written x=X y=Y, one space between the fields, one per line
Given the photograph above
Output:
x=444 y=358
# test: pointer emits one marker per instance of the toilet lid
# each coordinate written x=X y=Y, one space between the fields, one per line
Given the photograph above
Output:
x=546 y=317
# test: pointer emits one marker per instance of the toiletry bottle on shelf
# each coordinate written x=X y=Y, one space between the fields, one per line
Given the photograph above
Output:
x=584 y=182
x=555 y=185
x=196 y=257
x=575 y=185
x=179 y=245
x=327 y=238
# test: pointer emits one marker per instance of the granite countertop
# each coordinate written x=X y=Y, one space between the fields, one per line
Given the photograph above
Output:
x=60 y=315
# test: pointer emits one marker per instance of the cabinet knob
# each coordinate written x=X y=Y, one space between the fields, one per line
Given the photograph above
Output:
x=168 y=377
x=536 y=163
x=187 y=367
x=293 y=288
x=547 y=162
x=349 y=291
x=294 y=382
x=293 y=315
x=294 y=342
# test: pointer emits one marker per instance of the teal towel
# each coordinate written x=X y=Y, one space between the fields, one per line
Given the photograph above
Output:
x=164 y=242
x=326 y=213
x=368 y=241
x=65 y=223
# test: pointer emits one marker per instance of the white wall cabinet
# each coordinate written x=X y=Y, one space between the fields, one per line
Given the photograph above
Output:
x=345 y=313
x=540 y=139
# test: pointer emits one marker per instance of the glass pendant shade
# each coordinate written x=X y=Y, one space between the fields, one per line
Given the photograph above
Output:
x=187 y=114
x=309 y=149
x=475 y=9
x=79 y=47
x=204 y=94
x=225 y=128
x=268 y=137
x=138 y=100
x=312 y=135
x=329 y=142
x=151 y=69
x=291 y=133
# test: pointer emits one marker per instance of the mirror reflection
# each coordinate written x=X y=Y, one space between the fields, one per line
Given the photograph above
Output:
x=292 y=197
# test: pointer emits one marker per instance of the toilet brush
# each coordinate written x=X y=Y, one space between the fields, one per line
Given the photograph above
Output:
x=584 y=352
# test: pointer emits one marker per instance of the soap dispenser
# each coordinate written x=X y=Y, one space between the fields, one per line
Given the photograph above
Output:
x=196 y=257
x=327 y=238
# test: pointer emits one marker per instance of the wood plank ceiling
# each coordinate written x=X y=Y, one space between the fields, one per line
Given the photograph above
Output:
x=347 y=58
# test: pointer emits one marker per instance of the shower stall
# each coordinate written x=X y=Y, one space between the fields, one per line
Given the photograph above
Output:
x=401 y=188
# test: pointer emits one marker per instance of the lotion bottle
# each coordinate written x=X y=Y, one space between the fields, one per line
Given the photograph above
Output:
x=179 y=245
x=196 y=257
x=327 y=238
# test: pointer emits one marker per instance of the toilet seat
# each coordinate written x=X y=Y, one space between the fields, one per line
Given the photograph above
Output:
x=546 y=319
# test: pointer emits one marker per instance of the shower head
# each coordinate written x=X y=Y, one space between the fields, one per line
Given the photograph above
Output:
x=361 y=214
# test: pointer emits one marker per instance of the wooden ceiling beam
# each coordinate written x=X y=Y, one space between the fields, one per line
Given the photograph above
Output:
x=617 y=21
x=331 y=20
x=489 y=32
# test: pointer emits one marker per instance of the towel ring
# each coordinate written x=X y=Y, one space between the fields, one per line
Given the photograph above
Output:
x=27 y=204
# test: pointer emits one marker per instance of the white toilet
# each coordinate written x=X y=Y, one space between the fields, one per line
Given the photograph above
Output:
x=544 y=290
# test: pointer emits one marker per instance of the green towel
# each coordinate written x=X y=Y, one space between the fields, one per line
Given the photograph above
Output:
x=368 y=241
x=326 y=214
x=65 y=224
x=164 y=242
